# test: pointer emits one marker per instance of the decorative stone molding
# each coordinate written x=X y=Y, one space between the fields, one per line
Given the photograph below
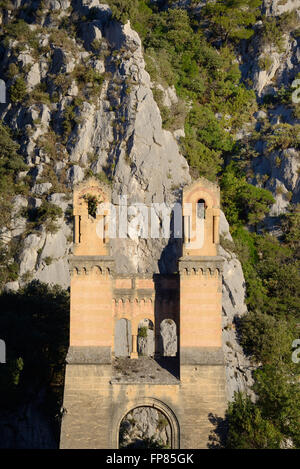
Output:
x=120 y=297
x=210 y=266
x=84 y=265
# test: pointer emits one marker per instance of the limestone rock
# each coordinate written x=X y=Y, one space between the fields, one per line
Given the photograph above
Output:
x=282 y=169
x=260 y=115
x=277 y=7
x=73 y=89
x=18 y=221
x=120 y=128
x=99 y=66
x=27 y=427
x=263 y=77
x=91 y=32
x=58 y=167
x=57 y=273
x=19 y=202
x=57 y=4
x=28 y=258
x=33 y=76
x=55 y=245
x=35 y=202
x=35 y=241
x=75 y=174
x=62 y=61
x=178 y=134
x=238 y=367
x=169 y=95
x=36 y=172
x=59 y=199
x=42 y=188
x=11 y=286
x=81 y=144
x=281 y=201
x=224 y=227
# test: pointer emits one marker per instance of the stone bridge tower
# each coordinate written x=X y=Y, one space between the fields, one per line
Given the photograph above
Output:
x=187 y=387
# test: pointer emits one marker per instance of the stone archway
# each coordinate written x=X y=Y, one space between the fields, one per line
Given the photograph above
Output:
x=145 y=427
x=159 y=413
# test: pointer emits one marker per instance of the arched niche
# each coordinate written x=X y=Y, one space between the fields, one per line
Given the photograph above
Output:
x=169 y=341
x=145 y=338
x=145 y=427
x=201 y=209
x=123 y=338
x=153 y=403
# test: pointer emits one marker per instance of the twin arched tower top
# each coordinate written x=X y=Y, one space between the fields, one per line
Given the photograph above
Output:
x=200 y=216
x=90 y=224
x=107 y=309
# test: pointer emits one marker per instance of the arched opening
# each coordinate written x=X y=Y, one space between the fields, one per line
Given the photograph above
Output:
x=92 y=203
x=123 y=340
x=201 y=209
x=145 y=427
x=168 y=332
x=145 y=338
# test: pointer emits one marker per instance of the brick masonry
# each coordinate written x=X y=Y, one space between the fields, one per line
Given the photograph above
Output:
x=94 y=402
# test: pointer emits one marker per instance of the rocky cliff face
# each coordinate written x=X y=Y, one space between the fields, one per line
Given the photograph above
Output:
x=28 y=426
x=238 y=367
x=92 y=89
x=272 y=63
x=116 y=126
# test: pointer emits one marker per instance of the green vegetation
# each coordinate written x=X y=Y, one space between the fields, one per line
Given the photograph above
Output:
x=17 y=90
x=195 y=53
x=9 y=269
x=61 y=38
x=92 y=202
x=143 y=331
x=87 y=76
x=248 y=429
x=69 y=121
x=284 y=136
x=275 y=27
x=71 y=117
x=10 y=164
x=48 y=142
x=39 y=94
x=232 y=19
x=208 y=79
x=123 y=10
x=178 y=54
x=243 y=202
x=21 y=31
x=103 y=178
x=47 y=214
x=271 y=269
x=265 y=63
